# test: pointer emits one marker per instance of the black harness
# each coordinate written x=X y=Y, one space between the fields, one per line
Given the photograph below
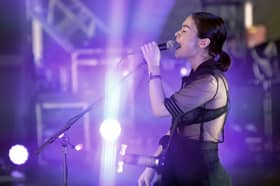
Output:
x=201 y=114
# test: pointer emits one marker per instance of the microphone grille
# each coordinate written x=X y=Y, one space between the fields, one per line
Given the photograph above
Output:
x=171 y=44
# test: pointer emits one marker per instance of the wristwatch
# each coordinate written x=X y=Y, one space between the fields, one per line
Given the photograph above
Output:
x=151 y=76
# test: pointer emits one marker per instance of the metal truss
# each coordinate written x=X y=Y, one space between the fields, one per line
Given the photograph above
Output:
x=66 y=21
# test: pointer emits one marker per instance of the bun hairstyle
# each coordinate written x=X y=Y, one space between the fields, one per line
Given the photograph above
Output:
x=212 y=27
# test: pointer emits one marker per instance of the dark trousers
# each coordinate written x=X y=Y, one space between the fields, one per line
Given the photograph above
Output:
x=193 y=163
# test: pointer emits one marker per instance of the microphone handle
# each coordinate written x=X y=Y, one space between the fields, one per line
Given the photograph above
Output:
x=142 y=160
x=162 y=46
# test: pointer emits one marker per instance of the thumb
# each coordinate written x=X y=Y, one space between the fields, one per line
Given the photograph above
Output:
x=147 y=183
x=141 y=182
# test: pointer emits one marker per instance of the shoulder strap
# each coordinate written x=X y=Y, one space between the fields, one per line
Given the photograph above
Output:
x=213 y=73
x=216 y=74
x=228 y=108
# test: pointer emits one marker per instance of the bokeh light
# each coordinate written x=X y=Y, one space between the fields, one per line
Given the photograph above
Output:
x=18 y=154
x=110 y=129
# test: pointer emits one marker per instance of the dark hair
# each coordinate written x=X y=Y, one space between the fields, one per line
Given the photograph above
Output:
x=213 y=27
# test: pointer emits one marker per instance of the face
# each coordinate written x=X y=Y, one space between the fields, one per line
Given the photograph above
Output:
x=188 y=40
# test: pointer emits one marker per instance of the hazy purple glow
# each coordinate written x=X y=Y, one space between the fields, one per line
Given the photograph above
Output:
x=156 y=17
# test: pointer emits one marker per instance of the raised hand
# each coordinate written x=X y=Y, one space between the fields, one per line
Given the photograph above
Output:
x=151 y=54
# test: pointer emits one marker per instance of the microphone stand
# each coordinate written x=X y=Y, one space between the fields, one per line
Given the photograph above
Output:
x=64 y=143
x=65 y=140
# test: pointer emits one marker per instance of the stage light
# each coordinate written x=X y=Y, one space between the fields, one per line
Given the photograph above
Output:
x=184 y=71
x=125 y=73
x=248 y=17
x=79 y=147
x=61 y=136
x=18 y=154
x=110 y=129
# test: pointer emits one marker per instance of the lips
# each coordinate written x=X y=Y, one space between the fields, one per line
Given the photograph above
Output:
x=178 y=45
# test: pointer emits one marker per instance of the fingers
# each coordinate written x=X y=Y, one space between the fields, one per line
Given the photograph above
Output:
x=146 y=177
x=143 y=182
x=149 y=47
x=146 y=49
x=151 y=53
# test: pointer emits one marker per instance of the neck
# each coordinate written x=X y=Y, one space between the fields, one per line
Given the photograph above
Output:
x=198 y=60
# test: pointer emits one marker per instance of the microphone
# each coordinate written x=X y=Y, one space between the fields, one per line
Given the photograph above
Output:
x=136 y=159
x=142 y=160
x=169 y=45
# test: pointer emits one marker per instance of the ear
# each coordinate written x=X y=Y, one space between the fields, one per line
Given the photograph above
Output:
x=203 y=43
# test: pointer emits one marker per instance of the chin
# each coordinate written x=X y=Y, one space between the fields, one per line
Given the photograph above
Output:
x=179 y=55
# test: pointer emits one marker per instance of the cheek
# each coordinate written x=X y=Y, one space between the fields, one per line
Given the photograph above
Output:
x=191 y=42
x=190 y=45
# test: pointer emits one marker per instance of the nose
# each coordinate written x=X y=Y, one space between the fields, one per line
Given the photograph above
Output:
x=177 y=34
